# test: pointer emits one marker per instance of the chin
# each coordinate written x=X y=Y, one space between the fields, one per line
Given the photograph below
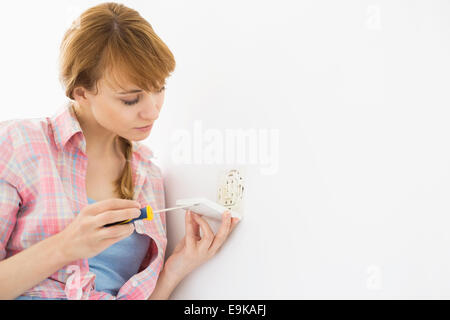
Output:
x=140 y=137
x=136 y=137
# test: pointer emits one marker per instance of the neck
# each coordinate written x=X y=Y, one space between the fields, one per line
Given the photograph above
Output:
x=100 y=142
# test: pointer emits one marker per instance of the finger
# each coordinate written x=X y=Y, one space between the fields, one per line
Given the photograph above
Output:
x=234 y=223
x=111 y=204
x=190 y=232
x=223 y=232
x=110 y=241
x=208 y=234
x=120 y=230
x=113 y=216
x=196 y=227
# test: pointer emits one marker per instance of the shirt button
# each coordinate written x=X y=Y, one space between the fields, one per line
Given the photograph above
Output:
x=134 y=283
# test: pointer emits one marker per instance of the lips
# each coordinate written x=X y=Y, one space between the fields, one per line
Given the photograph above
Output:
x=146 y=127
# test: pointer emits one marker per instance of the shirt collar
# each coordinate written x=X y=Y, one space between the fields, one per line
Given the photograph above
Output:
x=65 y=125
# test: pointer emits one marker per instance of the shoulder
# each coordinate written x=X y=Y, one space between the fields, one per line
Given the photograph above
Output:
x=21 y=132
x=21 y=143
x=8 y=136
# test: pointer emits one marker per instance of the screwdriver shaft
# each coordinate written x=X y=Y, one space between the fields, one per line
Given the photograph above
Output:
x=173 y=208
x=144 y=214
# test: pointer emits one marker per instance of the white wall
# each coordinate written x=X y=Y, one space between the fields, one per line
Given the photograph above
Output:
x=356 y=203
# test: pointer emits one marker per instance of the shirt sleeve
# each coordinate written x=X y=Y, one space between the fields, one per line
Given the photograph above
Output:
x=9 y=206
x=10 y=200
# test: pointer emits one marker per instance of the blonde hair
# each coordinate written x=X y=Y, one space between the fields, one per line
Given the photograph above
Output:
x=114 y=41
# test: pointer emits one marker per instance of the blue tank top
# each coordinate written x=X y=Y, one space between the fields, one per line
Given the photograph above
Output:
x=119 y=262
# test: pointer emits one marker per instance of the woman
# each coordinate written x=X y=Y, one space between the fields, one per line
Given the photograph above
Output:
x=54 y=203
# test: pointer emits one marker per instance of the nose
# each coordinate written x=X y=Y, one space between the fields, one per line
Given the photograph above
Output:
x=150 y=109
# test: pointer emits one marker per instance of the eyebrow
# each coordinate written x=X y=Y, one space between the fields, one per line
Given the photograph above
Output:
x=132 y=91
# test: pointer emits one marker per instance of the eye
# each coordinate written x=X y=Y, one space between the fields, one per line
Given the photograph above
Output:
x=130 y=103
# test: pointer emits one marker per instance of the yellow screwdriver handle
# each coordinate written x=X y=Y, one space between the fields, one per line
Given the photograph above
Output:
x=149 y=213
x=146 y=213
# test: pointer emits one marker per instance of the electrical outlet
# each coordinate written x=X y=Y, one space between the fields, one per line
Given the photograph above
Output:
x=230 y=192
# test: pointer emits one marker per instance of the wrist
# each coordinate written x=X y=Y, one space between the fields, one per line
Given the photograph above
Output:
x=172 y=279
x=165 y=284
x=62 y=249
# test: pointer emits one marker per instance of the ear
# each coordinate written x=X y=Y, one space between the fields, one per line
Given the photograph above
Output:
x=80 y=95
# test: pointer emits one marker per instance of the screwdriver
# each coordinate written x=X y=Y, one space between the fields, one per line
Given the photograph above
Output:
x=147 y=213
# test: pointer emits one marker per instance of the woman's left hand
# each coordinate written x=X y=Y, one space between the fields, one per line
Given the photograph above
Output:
x=193 y=250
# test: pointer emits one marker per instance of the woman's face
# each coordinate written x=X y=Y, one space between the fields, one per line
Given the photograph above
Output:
x=123 y=112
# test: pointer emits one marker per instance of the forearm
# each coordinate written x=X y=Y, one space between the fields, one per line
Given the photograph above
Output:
x=164 y=286
x=29 y=267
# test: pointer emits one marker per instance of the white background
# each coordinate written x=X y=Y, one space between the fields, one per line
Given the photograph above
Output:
x=359 y=94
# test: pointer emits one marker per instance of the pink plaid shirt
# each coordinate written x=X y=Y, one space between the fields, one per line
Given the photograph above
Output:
x=43 y=166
